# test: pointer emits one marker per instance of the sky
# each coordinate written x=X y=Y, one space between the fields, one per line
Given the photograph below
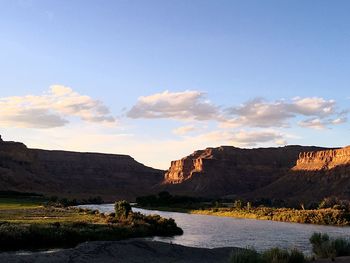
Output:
x=158 y=80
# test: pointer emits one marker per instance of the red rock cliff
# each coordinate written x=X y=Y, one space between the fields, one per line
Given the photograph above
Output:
x=184 y=169
x=321 y=160
x=228 y=170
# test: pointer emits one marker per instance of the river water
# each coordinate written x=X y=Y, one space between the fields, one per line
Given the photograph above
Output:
x=212 y=231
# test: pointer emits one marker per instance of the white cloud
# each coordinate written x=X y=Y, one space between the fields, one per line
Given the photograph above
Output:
x=259 y=113
x=192 y=105
x=51 y=109
x=320 y=124
x=186 y=105
x=312 y=106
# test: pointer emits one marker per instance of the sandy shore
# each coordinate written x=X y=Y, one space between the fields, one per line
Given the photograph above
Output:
x=129 y=251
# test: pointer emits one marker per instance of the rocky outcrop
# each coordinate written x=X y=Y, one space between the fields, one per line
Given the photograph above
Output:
x=73 y=174
x=229 y=170
x=184 y=169
x=321 y=160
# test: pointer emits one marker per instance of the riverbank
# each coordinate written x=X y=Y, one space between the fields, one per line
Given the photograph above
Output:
x=327 y=216
x=128 y=251
x=132 y=251
x=26 y=224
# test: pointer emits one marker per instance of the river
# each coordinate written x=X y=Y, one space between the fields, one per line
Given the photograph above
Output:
x=212 y=231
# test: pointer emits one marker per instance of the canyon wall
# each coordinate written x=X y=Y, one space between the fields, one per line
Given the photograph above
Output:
x=316 y=175
x=319 y=160
x=293 y=172
x=73 y=174
x=228 y=170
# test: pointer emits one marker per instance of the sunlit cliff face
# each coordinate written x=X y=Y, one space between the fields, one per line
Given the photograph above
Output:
x=313 y=161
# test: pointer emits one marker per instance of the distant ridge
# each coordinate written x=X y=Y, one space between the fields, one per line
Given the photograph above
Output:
x=296 y=173
x=73 y=174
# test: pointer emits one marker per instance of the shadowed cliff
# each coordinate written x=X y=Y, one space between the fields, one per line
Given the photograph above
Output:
x=73 y=174
x=316 y=175
x=228 y=170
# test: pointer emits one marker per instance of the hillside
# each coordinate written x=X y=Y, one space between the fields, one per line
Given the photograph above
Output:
x=316 y=175
x=73 y=174
x=230 y=171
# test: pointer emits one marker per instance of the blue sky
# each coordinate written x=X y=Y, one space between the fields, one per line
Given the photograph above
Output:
x=159 y=79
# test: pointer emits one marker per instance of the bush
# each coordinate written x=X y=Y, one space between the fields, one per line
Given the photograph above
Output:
x=273 y=255
x=335 y=203
x=122 y=209
x=341 y=246
x=322 y=246
x=325 y=247
x=245 y=256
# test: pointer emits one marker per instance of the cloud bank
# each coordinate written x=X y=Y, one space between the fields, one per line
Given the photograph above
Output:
x=260 y=113
x=192 y=105
x=52 y=109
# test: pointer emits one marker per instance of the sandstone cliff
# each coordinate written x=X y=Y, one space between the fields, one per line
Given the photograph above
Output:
x=72 y=174
x=320 y=160
x=230 y=171
x=317 y=174
x=293 y=172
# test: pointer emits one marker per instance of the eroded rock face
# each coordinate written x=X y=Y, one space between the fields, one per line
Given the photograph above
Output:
x=316 y=175
x=73 y=174
x=229 y=170
x=184 y=169
x=319 y=160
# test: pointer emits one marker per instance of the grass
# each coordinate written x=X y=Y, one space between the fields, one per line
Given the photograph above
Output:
x=20 y=202
x=326 y=216
x=325 y=247
x=273 y=255
x=26 y=223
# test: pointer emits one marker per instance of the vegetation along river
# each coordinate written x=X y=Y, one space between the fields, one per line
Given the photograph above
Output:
x=212 y=231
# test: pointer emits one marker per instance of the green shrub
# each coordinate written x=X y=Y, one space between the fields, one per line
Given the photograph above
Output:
x=245 y=256
x=275 y=255
x=122 y=209
x=325 y=247
x=341 y=246
x=322 y=246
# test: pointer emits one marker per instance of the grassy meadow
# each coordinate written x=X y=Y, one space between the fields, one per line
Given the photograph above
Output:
x=8 y=203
